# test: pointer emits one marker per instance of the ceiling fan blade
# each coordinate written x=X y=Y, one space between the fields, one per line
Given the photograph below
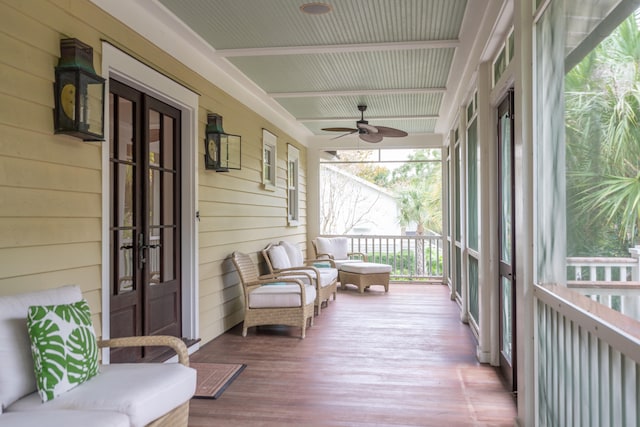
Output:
x=345 y=134
x=340 y=129
x=368 y=128
x=385 y=131
x=371 y=137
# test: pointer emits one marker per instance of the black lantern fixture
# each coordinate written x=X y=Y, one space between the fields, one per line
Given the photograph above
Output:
x=222 y=150
x=78 y=93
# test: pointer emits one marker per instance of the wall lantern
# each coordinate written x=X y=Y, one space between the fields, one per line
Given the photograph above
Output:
x=78 y=93
x=222 y=150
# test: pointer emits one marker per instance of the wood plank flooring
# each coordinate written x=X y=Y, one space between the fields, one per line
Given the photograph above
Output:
x=373 y=359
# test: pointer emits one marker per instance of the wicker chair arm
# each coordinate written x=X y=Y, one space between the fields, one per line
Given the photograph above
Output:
x=151 y=340
x=310 y=262
x=297 y=271
x=320 y=256
x=360 y=254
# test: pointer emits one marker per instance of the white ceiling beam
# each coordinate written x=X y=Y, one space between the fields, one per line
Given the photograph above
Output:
x=341 y=48
x=357 y=92
x=350 y=119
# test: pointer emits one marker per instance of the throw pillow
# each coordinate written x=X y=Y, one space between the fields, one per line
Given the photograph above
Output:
x=64 y=347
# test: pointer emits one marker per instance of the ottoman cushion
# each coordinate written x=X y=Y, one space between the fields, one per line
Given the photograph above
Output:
x=365 y=268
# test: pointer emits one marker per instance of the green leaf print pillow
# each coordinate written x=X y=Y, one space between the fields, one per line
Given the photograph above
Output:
x=64 y=347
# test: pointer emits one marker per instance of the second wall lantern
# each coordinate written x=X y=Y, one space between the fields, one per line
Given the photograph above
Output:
x=78 y=93
x=222 y=150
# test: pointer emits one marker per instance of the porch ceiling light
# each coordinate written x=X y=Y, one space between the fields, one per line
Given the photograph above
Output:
x=78 y=93
x=316 y=8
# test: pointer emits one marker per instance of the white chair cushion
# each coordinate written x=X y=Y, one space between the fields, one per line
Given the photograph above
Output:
x=294 y=253
x=366 y=268
x=338 y=247
x=142 y=391
x=327 y=276
x=279 y=258
x=280 y=295
x=64 y=418
x=16 y=367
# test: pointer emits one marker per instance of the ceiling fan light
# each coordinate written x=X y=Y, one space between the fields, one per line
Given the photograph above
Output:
x=316 y=8
x=371 y=137
x=367 y=128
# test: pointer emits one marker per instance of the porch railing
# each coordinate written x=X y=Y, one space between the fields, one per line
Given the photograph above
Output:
x=587 y=355
x=614 y=282
x=588 y=362
x=417 y=258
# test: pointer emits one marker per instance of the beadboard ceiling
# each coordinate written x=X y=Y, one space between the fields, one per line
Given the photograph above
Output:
x=395 y=56
x=412 y=62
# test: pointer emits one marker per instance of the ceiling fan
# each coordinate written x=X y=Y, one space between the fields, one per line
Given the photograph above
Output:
x=367 y=132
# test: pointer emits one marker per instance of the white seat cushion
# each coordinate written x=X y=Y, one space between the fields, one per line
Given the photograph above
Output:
x=366 y=268
x=142 y=391
x=279 y=258
x=64 y=418
x=16 y=369
x=338 y=247
x=280 y=295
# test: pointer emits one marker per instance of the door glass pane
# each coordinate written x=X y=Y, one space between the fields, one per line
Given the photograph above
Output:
x=458 y=277
x=153 y=255
x=472 y=182
x=474 y=296
x=456 y=183
x=125 y=195
x=154 y=138
x=154 y=198
x=167 y=152
x=505 y=210
x=124 y=243
x=167 y=198
x=125 y=129
x=507 y=339
x=168 y=265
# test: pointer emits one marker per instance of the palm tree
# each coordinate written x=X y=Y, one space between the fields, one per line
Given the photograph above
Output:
x=420 y=188
x=602 y=96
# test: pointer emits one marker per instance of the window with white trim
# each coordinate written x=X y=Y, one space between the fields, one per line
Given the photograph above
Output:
x=293 y=186
x=269 y=160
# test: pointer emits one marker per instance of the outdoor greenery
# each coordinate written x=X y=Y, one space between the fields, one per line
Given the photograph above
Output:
x=404 y=263
x=602 y=95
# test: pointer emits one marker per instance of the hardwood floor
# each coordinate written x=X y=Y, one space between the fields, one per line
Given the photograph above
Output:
x=373 y=359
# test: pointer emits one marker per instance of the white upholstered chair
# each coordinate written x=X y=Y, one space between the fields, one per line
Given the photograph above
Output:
x=336 y=249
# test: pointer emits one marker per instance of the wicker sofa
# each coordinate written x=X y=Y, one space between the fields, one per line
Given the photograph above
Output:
x=128 y=394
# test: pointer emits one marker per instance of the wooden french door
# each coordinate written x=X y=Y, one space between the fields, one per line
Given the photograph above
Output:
x=145 y=216
x=507 y=279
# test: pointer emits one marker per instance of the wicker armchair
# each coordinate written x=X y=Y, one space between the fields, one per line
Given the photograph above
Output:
x=272 y=299
x=336 y=249
x=286 y=259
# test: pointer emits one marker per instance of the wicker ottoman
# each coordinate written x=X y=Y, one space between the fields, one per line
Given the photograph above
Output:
x=365 y=274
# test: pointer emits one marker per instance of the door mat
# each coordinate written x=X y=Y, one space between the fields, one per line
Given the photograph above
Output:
x=214 y=378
